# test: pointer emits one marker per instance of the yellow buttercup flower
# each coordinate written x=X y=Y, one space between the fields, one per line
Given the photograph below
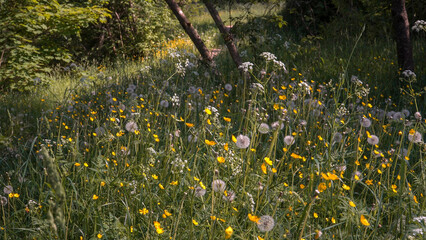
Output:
x=210 y=143
x=268 y=161
x=263 y=167
x=228 y=232
x=221 y=159
x=322 y=187
x=143 y=211
x=364 y=221
x=253 y=218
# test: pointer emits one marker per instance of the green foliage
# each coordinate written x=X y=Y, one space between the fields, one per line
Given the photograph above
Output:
x=36 y=34
x=135 y=27
x=328 y=17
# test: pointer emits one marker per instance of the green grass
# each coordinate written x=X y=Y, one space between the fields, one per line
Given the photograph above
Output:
x=100 y=155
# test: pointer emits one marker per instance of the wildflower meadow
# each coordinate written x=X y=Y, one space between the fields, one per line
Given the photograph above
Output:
x=286 y=146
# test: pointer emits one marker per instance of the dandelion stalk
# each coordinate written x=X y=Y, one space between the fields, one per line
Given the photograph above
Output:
x=303 y=220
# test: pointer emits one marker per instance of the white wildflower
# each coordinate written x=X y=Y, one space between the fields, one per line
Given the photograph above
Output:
x=281 y=65
x=246 y=66
x=268 y=56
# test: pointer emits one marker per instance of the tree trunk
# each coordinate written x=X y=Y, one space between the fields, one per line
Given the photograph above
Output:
x=191 y=31
x=225 y=34
x=402 y=35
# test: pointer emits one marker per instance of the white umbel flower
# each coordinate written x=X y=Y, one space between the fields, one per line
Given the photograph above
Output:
x=246 y=66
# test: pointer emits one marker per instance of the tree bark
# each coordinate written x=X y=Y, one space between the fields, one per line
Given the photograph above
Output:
x=225 y=34
x=402 y=35
x=191 y=31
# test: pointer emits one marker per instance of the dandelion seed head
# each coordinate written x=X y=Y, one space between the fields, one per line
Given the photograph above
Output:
x=416 y=137
x=266 y=223
x=8 y=189
x=405 y=112
x=303 y=123
x=418 y=116
x=337 y=137
x=131 y=126
x=228 y=87
x=398 y=116
x=289 y=140
x=276 y=125
x=243 y=141
x=3 y=200
x=365 y=122
x=218 y=185
x=264 y=128
x=373 y=140
x=192 y=89
x=100 y=131
x=230 y=196
x=164 y=103
x=199 y=191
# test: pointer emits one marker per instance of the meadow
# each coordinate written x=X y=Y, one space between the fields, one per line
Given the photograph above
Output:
x=307 y=140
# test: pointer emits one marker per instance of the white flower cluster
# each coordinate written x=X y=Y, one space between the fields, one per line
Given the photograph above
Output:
x=175 y=100
x=408 y=74
x=419 y=25
x=281 y=65
x=356 y=80
x=257 y=87
x=305 y=87
x=268 y=56
x=246 y=66
x=178 y=165
x=180 y=69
